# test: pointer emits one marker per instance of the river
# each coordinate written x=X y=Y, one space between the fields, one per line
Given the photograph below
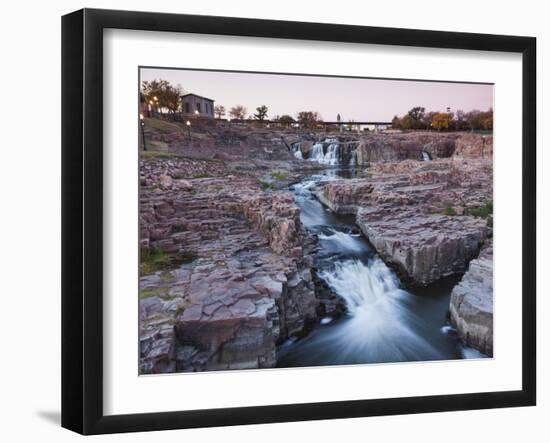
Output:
x=384 y=322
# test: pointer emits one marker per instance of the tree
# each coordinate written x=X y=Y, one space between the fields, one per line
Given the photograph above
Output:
x=428 y=119
x=238 y=112
x=219 y=111
x=441 y=120
x=286 y=120
x=162 y=94
x=396 y=122
x=261 y=113
x=308 y=119
x=416 y=115
x=487 y=119
x=460 y=122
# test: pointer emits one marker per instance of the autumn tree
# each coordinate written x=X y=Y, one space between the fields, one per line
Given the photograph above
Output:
x=219 y=111
x=480 y=120
x=441 y=120
x=261 y=113
x=238 y=112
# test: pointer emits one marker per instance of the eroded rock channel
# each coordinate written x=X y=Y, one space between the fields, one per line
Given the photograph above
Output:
x=327 y=251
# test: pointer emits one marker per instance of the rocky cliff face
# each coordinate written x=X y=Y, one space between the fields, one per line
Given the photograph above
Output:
x=471 y=306
x=239 y=281
x=403 y=146
x=474 y=146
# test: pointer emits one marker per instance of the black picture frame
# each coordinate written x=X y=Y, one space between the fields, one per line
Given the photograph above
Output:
x=82 y=218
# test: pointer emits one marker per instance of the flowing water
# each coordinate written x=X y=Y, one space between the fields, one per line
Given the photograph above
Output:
x=383 y=323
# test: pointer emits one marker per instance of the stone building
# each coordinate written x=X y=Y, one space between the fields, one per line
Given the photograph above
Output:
x=193 y=105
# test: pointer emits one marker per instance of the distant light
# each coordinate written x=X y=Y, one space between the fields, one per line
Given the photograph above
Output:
x=196 y=112
x=155 y=98
x=188 y=123
x=141 y=116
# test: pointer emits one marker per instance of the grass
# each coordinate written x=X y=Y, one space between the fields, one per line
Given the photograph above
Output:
x=280 y=175
x=485 y=211
x=162 y=126
x=152 y=260
x=265 y=185
x=449 y=210
x=152 y=292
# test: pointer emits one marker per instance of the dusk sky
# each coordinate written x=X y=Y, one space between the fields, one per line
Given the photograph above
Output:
x=354 y=99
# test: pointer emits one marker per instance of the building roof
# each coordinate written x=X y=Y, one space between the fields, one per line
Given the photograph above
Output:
x=199 y=96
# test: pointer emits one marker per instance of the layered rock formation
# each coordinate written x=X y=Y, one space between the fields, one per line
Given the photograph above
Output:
x=471 y=307
x=402 y=146
x=416 y=214
x=237 y=280
x=422 y=247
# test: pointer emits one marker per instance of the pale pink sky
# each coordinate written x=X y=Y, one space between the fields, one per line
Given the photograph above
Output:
x=355 y=99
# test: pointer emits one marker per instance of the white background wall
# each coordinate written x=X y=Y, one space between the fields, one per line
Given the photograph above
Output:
x=30 y=219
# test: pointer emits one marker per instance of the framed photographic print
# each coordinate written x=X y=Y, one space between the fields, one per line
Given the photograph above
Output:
x=269 y=221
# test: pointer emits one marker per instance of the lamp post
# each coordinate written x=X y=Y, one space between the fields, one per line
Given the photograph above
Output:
x=142 y=125
x=188 y=123
x=156 y=104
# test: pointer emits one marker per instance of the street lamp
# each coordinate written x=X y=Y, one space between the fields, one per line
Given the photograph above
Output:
x=188 y=123
x=142 y=125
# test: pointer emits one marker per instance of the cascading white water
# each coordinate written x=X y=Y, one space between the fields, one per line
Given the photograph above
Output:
x=332 y=155
x=297 y=151
x=317 y=152
x=342 y=242
x=426 y=156
x=381 y=326
x=353 y=158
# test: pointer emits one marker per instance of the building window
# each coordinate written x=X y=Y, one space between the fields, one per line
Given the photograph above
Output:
x=199 y=107
x=187 y=110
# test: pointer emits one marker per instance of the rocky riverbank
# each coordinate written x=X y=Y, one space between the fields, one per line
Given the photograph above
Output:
x=471 y=306
x=233 y=279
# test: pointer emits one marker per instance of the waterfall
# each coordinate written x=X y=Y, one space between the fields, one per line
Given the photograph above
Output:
x=353 y=158
x=426 y=156
x=317 y=152
x=381 y=326
x=297 y=150
x=332 y=155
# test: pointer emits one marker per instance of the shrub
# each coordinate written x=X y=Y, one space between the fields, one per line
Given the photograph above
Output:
x=485 y=211
x=449 y=210
x=265 y=185
x=279 y=175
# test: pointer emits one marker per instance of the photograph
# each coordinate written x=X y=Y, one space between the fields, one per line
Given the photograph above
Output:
x=291 y=220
